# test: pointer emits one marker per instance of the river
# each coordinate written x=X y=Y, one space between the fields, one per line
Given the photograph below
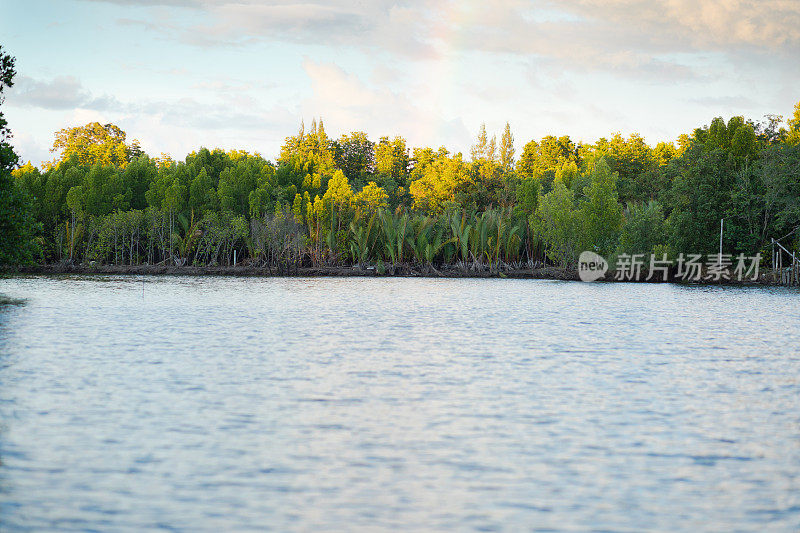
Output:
x=372 y=404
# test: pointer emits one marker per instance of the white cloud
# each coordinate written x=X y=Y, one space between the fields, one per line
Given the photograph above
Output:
x=223 y=114
x=62 y=92
x=433 y=70
x=29 y=149
x=699 y=24
x=347 y=103
x=735 y=102
x=622 y=37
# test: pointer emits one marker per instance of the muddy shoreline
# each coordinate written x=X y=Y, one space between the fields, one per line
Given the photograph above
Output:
x=404 y=270
x=292 y=271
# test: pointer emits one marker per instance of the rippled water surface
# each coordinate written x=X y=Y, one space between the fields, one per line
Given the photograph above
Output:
x=208 y=404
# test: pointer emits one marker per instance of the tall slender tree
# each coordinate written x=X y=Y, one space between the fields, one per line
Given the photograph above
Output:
x=507 y=149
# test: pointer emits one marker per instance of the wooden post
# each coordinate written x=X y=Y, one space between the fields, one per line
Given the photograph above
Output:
x=773 y=258
x=795 y=271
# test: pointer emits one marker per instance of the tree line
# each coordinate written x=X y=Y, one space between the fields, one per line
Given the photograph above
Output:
x=356 y=201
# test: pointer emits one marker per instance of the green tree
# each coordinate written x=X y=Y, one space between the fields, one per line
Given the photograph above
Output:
x=630 y=158
x=76 y=204
x=237 y=182
x=439 y=181
x=339 y=191
x=392 y=163
x=794 y=126
x=202 y=194
x=700 y=197
x=644 y=229
x=312 y=151
x=268 y=190
x=765 y=200
x=104 y=191
x=391 y=158
x=541 y=160
x=355 y=155
x=663 y=153
x=507 y=149
x=527 y=164
x=480 y=150
x=528 y=192
x=737 y=138
x=486 y=185
x=555 y=223
x=600 y=214
x=92 y=144
x=136 y=179
x=371 y=198
x=16 y=221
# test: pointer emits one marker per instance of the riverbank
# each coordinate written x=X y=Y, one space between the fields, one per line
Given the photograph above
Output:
x=400 y=270
x=403 y=270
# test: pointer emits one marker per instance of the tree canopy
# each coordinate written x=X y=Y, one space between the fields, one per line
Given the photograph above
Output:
x=17 y=244
x=355 y=200
x=93 y=144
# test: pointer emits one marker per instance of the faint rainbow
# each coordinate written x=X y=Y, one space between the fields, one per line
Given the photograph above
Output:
x=445 y=74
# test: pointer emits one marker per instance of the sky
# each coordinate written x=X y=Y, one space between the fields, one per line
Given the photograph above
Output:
x=180 y=74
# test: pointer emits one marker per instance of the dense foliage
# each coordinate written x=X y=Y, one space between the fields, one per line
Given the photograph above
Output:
x=17 y=242
x=356 y=201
